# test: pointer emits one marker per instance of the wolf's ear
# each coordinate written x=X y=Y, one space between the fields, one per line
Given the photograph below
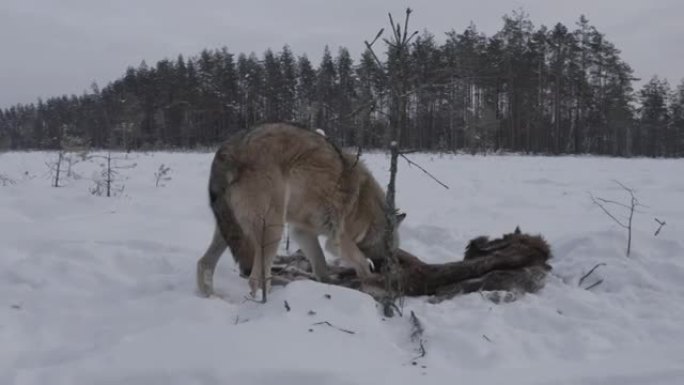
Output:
x=400 y=218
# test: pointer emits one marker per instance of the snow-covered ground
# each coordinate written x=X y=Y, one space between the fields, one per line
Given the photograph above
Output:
x=97 y=290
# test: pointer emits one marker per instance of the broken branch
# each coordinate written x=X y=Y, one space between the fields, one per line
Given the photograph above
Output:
x=661 y=224
x=585 y=276
x=334 y=327
x=412 y=163
x=600 y=281
x=599 y=204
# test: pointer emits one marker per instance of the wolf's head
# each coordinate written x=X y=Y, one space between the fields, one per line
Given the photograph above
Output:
x=374 y=245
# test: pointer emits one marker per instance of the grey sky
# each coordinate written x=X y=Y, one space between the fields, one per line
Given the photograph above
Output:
x=49 y=48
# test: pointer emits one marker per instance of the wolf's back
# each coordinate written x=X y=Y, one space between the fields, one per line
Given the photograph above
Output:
x=225 y=170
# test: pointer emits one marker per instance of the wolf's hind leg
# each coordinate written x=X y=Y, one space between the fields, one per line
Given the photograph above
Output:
x=313 y=252
x=259 y=207
x=267 y=234
x=207 y=264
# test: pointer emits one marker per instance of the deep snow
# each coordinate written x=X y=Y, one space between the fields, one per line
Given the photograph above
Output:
x=97 y=290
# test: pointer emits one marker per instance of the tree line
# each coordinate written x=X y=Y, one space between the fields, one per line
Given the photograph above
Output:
x=538 y=90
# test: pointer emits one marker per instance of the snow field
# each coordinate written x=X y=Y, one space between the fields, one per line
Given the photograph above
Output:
x=97 y=290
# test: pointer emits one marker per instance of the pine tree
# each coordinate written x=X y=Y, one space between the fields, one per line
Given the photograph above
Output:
x=428 y=78
x=580 y=81
x=305 y=91
x=515 y=34
x=539 y=119
x=227 y=92
x=522 y=89
x=326 y=87
x=655 y=116
x=288 y=87
x=273 y=80
x=675 y=138
x=250 y=75
x=561 y=43
x=368 y=92
x=345 y=94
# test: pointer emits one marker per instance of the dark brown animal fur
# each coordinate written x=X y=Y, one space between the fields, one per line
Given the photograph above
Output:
x=516 y=263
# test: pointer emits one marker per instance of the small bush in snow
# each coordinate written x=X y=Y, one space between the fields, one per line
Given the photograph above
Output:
x=5 y=180
x=108 y=181
x=71 y=151
x=161 y=175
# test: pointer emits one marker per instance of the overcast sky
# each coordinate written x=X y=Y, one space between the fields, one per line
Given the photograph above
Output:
x=49 y=48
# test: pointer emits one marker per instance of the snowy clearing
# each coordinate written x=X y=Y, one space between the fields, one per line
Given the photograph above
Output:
x=97 y=290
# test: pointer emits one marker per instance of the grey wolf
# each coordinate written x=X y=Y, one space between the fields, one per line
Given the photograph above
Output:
x=279 y=173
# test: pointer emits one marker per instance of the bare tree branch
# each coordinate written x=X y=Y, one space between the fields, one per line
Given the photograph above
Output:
x=585 y=276
x=375 y=57
x=634 y=203
x=613 y=202
x=376 y=36
x=600 y=281
x=396 y=29
x=599 y=204
x=631 y=191
x=335 y=327
x=412 y=163
x=406 y=20
x=661 y=224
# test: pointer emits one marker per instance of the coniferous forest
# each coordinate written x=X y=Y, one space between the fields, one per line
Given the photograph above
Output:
x=544 y=90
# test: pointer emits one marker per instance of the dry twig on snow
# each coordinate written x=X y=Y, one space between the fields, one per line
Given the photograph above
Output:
x=585 y=276
x=632 y=206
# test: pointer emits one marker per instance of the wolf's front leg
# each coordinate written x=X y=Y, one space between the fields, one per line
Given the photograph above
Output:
x=351 y=252
x=308 y=242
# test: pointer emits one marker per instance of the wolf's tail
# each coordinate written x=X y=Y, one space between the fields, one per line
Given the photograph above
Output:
x=225 y=171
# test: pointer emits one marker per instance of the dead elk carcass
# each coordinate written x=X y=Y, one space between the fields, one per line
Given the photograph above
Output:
x=515 y=263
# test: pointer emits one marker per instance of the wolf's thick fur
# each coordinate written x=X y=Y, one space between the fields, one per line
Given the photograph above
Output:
x=276 y=174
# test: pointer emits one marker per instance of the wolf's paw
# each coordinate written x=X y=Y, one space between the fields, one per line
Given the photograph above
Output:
x=256 y=284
